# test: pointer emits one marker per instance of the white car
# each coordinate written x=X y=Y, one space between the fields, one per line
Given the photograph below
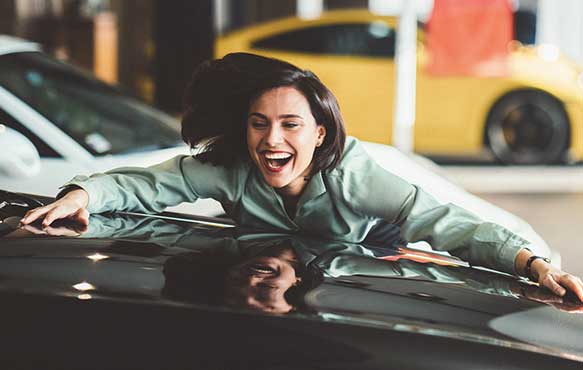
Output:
x=57 y=122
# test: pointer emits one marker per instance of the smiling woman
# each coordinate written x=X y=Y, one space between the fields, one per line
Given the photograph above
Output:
x=282 y=136
x=273 y=151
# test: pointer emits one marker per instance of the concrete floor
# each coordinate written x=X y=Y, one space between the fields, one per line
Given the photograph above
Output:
x=557 y=217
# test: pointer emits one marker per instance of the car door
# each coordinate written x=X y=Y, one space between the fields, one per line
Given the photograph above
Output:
x=354 y=59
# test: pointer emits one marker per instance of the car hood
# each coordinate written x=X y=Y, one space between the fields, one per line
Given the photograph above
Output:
x=156 y=261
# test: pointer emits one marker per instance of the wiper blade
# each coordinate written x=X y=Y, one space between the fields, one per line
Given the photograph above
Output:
x=18 y=200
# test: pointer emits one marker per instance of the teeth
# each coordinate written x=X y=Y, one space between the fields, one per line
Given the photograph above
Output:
x=262 y=269
x=277 y=155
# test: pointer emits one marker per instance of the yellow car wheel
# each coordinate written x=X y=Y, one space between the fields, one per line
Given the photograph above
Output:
x=528 y=127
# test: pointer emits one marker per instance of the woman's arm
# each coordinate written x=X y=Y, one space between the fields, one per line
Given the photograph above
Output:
x=449 y=227
x=150 y=190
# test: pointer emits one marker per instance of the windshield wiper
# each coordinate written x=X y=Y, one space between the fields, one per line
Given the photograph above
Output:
x=18 y=200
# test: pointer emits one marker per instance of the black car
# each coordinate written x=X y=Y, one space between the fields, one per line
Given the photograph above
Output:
x=172 y=291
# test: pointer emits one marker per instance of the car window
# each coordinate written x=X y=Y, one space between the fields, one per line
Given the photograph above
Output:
x=43 y=149
x=100 y=118
x=375 y=39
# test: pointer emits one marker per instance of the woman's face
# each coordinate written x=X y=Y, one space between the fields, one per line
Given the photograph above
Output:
x=261 y=282
x=282 y=135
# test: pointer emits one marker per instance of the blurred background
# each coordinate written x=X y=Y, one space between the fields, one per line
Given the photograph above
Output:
x=490 y=90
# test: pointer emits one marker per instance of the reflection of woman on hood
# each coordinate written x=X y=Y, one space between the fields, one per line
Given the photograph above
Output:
x=264 y=275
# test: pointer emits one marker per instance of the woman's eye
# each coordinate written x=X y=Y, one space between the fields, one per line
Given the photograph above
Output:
x=290 y=124
x=258 y=124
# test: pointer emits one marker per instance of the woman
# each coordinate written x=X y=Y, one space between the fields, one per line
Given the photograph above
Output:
x=275 y=154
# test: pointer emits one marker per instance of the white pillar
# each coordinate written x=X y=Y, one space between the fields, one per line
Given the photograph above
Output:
x=406 y=71
x=221 y=16
x=561 y=24
x=309 y=9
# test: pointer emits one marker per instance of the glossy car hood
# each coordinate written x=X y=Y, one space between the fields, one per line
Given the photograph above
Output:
x=128 y=259
x=187 y=268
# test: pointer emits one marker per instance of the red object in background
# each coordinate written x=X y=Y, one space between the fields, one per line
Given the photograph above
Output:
x=469 y=37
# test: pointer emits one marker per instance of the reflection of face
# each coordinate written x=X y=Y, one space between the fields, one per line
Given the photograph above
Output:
x=282 y=135
x=262 y=281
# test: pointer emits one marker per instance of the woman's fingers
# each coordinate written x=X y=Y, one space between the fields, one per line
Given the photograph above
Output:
x=559 y=282
x=574 y=284
x=549 y=281
x=72 y=205
x=61 y=210
x=35 y=214
x=54 y=212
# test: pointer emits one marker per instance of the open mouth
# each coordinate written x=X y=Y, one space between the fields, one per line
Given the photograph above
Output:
x=262 y=269
x=275 y=161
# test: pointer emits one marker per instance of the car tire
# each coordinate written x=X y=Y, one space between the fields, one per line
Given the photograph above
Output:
x=528 y=127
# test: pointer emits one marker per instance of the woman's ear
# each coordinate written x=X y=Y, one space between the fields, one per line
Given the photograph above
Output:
x=321 y=134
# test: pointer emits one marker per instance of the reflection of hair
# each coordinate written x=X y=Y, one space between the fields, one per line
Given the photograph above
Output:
x=311 y=279
x=197 y=277
x=200 y=277
x=217 y=100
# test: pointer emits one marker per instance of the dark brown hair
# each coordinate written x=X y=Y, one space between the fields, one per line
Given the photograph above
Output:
x=218 y=97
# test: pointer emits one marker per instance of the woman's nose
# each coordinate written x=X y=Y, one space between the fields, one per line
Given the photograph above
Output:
x=273 y=136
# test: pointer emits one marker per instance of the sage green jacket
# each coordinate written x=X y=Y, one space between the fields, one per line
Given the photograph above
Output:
x=339 y=204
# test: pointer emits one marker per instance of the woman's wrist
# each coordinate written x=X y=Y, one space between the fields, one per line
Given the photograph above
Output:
x=529 y=265
x=521 y=260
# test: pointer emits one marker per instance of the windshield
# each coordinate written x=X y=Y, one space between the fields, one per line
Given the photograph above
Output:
x=100 y=118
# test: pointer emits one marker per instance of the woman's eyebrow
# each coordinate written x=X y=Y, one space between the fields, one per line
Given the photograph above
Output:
x=283 y=116
x=291 y=116
x=262 y=116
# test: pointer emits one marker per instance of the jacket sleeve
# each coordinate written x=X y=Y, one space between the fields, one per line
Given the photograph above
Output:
x=446 y=227
x=152 y=189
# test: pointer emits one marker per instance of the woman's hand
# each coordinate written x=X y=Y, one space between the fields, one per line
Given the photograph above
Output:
x=71 y=206
x=559 y=282
x=534 y=293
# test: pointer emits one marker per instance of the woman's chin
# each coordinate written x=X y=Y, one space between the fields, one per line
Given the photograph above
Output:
x=275 y=179
x=276 y=183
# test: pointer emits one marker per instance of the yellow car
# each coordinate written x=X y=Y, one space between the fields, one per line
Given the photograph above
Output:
x=533 y=115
